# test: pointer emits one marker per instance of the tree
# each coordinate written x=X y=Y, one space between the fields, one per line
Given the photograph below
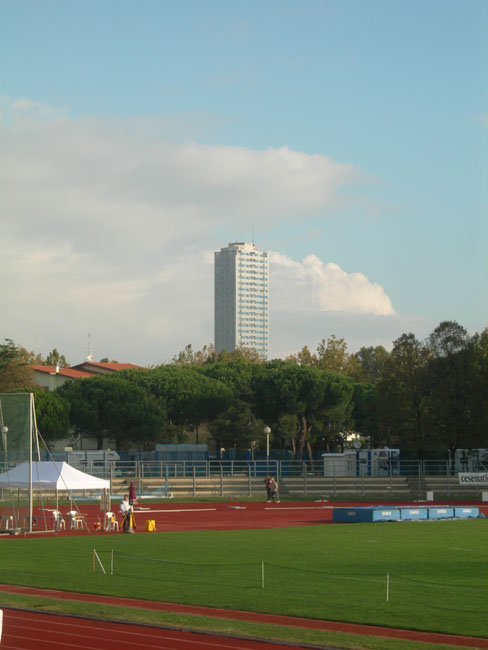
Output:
x=332 y=356
x=365 y=412
x=313 y=396
x=189 y=396
x=189 y=357
x=448 y=338
x=372 y=362
x=14 y=368
x=54 y=358
x=403 y=398
x=52 y=414
x=237 y=427
x=453 y=383
x=113 y=407
x=479 y=343
x=303 y=358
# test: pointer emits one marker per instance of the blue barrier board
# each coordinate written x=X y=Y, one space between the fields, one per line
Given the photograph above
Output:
x=444 y=512
x=386 y=514
x=413 y=513
x=466 y=512
x=364 y=515
x=351 y=515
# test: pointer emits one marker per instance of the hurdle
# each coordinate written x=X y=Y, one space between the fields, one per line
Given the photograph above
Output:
x=323 y=500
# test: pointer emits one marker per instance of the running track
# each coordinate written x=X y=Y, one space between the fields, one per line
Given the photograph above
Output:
x=273 y=619
x=25 y=630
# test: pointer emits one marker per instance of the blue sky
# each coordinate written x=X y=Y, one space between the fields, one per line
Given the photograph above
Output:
x=345 y=133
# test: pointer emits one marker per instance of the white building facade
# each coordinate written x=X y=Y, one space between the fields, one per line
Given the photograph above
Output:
x=241 y=298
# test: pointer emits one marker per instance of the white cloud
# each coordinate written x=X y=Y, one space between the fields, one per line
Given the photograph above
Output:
x=290 y=329
x=312 y=285
x=109 y=231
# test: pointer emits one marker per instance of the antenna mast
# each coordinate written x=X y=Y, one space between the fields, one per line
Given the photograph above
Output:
x=89 y=356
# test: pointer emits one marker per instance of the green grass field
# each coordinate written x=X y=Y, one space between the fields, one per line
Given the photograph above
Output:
x=438 y=571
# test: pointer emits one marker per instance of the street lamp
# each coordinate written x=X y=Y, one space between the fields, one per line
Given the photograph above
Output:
x=4 y=441
x=267 y=431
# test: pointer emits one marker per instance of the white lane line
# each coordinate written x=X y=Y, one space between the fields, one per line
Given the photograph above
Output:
x=300 y=508
x=145 y=512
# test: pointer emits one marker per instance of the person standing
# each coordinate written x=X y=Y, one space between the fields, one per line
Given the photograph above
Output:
x=274 y=490
x=125 y=512
x=268 y=481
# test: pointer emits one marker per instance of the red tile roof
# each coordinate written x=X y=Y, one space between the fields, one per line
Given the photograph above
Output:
x=64 y=372
x=109 y=366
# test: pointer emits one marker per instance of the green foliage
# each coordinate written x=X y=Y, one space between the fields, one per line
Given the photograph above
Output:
x=54 y=358
x=403 y=398
x=372 y=361
x=314 y=397
x=52 y=414
x=112 y=406
x=188 y=395
x=365 y=412
x=237 y=427
x=425 y=397
x=189 y=357
x=331 y=355
x=14 y=369
x=432 y=396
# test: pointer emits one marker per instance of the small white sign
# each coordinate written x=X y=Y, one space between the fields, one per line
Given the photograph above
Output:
x=472 y=478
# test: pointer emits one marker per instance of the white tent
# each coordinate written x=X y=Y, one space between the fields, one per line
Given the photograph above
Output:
x=52 y=476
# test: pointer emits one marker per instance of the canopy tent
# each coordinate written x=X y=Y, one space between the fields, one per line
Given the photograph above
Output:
x=51 y=476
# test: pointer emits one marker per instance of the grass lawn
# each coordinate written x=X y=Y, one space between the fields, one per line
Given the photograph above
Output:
x=437 y=571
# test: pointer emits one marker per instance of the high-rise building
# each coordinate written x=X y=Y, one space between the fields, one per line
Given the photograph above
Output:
x=241 y=298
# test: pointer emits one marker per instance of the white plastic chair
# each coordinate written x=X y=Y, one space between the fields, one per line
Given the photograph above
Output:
x=111 y=522
x=59 y=521
x=75 y=520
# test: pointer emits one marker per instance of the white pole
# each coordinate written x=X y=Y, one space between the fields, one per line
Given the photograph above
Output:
x=262 y=574
x=387 y=587
x=31 y=502
x=99 y=561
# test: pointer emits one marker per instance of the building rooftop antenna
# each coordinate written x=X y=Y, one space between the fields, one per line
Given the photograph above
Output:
x=89 y=356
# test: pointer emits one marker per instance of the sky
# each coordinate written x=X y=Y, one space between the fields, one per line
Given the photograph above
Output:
x=346 y=137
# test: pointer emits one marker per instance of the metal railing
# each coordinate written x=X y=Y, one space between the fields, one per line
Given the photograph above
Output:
x=327 y=468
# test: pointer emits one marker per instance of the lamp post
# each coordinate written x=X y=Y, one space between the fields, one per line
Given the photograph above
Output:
x=267 y=431
x=4 y=441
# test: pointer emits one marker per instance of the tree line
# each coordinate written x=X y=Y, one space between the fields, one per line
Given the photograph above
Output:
x=426 y=397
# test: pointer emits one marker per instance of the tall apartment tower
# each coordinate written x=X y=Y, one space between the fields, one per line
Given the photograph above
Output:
x=241 y=298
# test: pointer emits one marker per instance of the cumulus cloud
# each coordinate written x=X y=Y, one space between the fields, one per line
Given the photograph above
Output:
x=291 y=330
x=310 y=284
x=109 y=229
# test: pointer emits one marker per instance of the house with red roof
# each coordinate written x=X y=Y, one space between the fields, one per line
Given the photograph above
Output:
x=101 y=368
x=52 y=377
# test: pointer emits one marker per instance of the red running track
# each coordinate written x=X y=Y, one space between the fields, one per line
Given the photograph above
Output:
x=273 y=619
x=25 y=630
x=171 y=516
